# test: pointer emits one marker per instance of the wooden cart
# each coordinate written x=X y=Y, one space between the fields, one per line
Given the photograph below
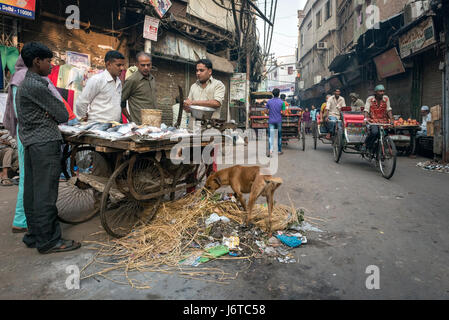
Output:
x=404 y=138
x=125 y=181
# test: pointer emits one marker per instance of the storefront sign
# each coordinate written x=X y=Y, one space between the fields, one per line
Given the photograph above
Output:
x=150 y=28
x=238 y=87
x=161 y=6
x=418 y=38
x=79 y=60
x=389 y=64
x=20 y=8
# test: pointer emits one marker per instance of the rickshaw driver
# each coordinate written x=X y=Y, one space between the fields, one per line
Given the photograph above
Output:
x=377 y=110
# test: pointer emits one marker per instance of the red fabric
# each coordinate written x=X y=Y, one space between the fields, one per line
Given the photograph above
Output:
x=71 y=98
x=69 y=110
x=124 y=120
x=53 y=76
x=378 y=113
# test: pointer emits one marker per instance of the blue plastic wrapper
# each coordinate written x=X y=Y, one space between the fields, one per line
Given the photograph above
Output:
x=289 y=241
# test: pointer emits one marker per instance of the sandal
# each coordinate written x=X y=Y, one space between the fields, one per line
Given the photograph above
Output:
x=8 y=183
x=63 y=246
x=19 y=230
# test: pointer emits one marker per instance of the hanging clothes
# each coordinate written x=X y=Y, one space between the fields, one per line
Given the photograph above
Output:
x=9 y=57
x=53 y=76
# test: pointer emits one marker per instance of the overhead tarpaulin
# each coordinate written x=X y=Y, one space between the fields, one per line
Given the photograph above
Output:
x=220 y=63
x=179 y=48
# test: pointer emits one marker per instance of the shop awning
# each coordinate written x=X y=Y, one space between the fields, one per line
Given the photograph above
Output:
x=339 y=63
x=220 y=63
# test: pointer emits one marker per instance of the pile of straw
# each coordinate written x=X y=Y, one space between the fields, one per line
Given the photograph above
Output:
x=160 y=245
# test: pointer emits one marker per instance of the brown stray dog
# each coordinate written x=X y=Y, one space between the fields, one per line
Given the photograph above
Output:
x=246 y=180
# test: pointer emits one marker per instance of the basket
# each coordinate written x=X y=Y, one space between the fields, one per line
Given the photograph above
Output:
x=151 y=117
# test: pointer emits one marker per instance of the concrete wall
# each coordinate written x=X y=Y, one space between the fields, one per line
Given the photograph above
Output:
x=209 y=11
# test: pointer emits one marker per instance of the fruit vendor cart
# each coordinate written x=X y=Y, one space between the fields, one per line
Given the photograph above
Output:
x=403 y=133
x=125 y=181
x=291 y=119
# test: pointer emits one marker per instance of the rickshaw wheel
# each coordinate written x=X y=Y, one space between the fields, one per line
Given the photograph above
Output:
x=386 y=158
x=338 y=145
x=303 y=136
x=119 y=216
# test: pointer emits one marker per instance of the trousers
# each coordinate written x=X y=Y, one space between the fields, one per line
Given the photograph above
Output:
x=42 y=171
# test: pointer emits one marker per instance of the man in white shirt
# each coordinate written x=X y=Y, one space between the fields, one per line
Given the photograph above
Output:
x=206 y=91
x=332 y=111
x=101 y=98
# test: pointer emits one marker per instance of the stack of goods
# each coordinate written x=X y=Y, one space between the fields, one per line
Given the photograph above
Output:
x=434 y=126
x=116 y=131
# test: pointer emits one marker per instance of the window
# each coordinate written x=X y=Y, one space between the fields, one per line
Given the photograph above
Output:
x=302 y=39
x=318 y=20
x=309 y=25
x=328 y=9
x=290 y=70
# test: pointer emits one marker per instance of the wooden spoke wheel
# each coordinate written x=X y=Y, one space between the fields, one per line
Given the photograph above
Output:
x=121 y=213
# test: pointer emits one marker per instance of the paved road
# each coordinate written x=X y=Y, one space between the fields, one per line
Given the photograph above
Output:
x=401 y=226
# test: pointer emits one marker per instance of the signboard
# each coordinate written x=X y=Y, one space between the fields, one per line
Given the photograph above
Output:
x=19 y=8
x=389 y=64
x=150 y=28
x=79 y=60
x=238 y=87
x=161 y=6
x=418 y=38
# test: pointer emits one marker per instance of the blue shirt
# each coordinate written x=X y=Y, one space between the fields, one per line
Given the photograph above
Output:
x=275 y=107
x=313 y=114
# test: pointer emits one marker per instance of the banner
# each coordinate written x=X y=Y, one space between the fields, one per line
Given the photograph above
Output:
x=161 y=6
x=79 y=60
x=389 y=64
x=238 y=87
x=20 y=8
x=150 y=28
x=418 y=38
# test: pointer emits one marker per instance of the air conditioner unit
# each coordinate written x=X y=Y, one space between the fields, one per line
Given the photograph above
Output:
x=415 y=9
x=321 y=45
x=299 y=65
x=317 y=79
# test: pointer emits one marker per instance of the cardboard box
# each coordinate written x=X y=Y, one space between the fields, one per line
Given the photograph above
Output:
x=436 y=112
x=430 y=130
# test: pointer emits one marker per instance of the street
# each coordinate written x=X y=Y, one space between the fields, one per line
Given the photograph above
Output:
x=399 y=225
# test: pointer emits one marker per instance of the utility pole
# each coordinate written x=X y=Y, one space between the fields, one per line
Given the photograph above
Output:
x=445 y=113
x=248 y=64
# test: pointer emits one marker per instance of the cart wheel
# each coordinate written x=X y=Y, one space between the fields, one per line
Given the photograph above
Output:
x=386 y=157
x=78 y=202
x=338 y=145
x=76 y=205
x=120 y=216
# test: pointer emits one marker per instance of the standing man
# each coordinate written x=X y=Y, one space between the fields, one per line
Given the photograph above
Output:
x=356 y=103
x=39 y=113
x=102 y=96
x=274 y=107
x=139 y=90
x=377 y=110
x=332 y=111
x=206 y=91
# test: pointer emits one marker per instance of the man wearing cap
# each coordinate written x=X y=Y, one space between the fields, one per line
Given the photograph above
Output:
x=377 y=110
x=356 y=103
x=332 y=111
x=426 y=117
